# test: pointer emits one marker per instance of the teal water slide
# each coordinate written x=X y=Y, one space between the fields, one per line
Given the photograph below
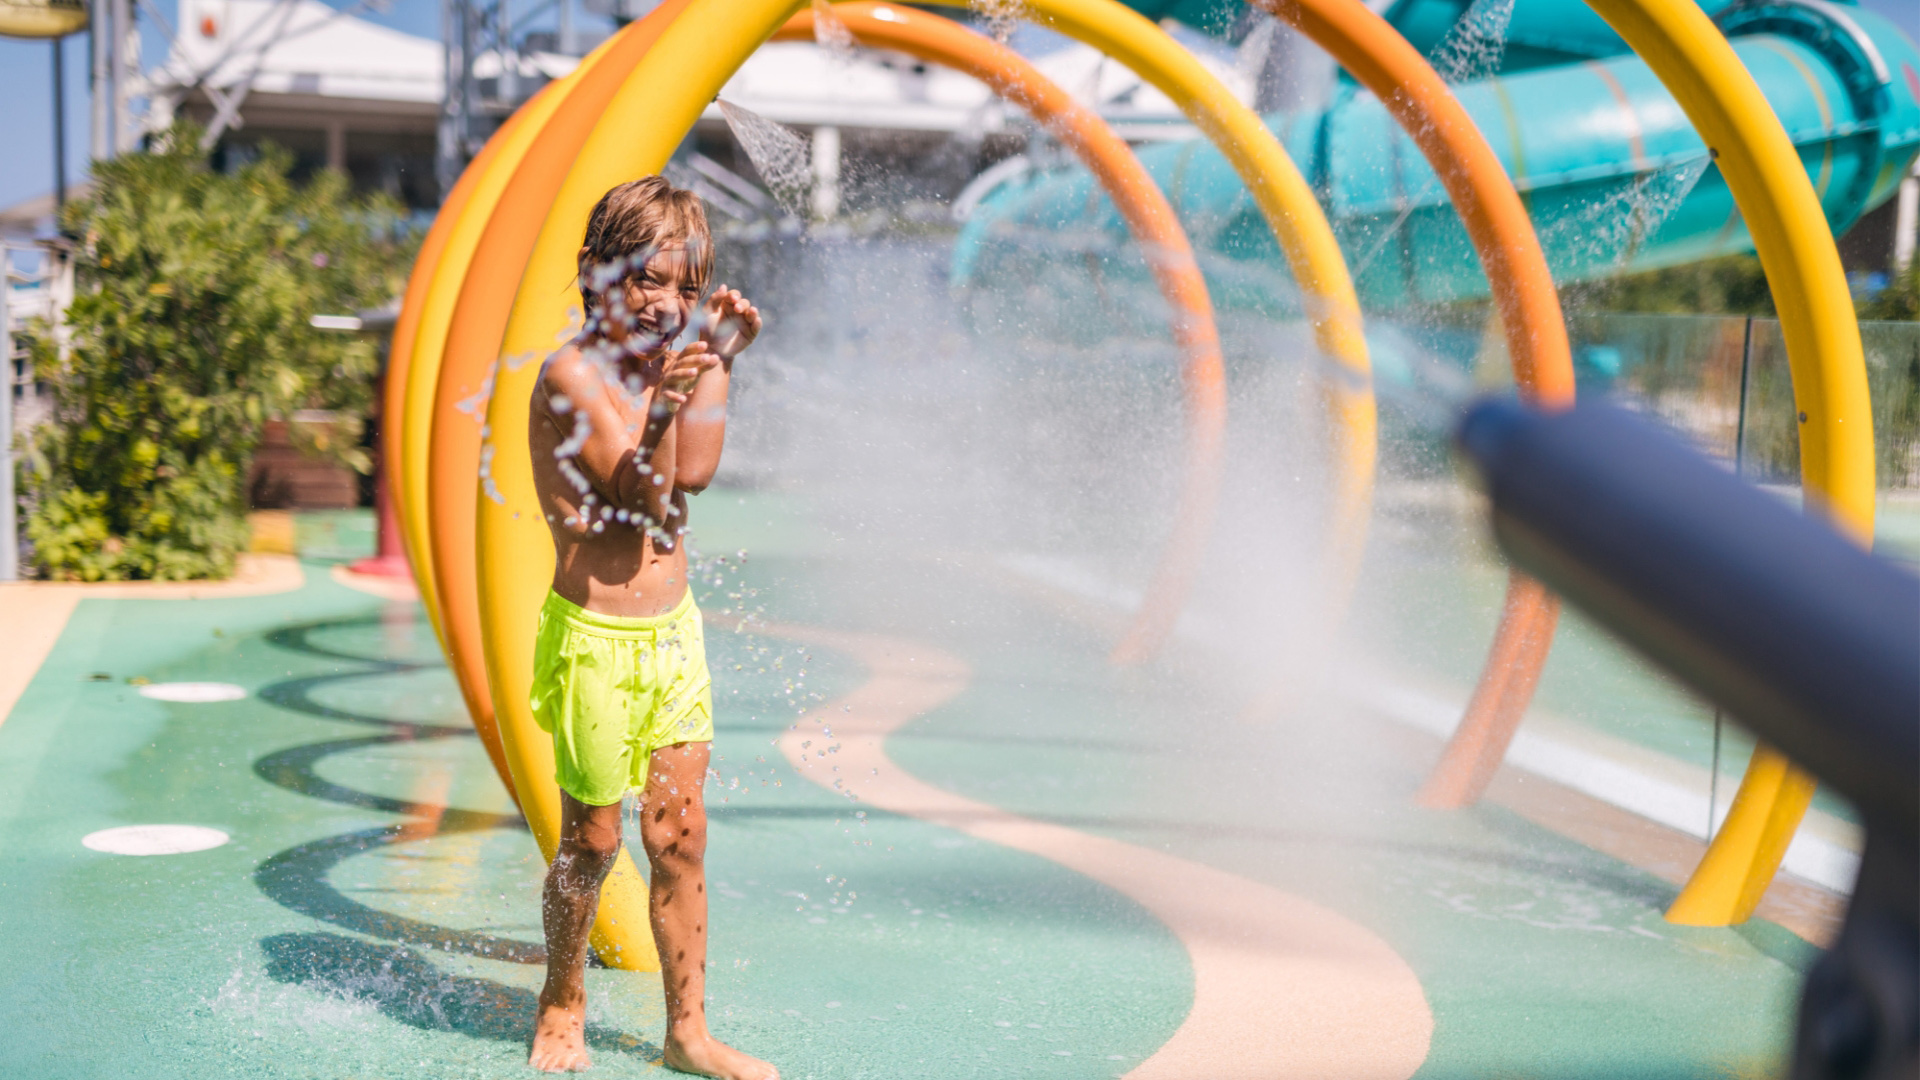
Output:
x=1615 y=177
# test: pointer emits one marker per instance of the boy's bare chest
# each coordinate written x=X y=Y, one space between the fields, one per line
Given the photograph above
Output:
x=630 y=400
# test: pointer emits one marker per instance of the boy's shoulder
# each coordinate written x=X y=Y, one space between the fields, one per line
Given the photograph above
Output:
x=569 y=371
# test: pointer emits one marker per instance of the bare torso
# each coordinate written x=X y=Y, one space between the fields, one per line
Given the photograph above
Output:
x=604 y=558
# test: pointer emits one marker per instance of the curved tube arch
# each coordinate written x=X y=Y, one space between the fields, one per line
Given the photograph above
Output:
x=476 y=301
x=423 y=372
x=636 y=133
x=474 y=294
x=474 y=333
x=1298 y=222
x=1529 y=312
x=1306 y=240
x=1796 y=247
x=1819 y=361
x=1791 y=236
x=1536 y=336
x=460 y=222
x=402 y=487
x=484 y=297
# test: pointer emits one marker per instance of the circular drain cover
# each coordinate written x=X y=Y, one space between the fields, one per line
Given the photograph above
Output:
x=154 y=839
x=195 y=692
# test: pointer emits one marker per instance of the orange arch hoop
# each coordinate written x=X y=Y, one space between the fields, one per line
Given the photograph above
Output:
x=409 y=499
x=1795 y=244
x=1503 y=236
x=1496 y=221
x=485 y=297
x=465 y=365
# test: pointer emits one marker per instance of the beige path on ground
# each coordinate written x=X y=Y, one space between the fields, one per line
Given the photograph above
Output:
x=33 y=613
x=1282 y=987
x=395 y=589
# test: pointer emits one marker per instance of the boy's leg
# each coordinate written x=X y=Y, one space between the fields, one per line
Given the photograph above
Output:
x=589 y=841
x=673 y=828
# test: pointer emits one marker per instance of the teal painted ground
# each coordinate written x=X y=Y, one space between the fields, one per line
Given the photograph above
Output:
x=355 y=929
x=339 y=935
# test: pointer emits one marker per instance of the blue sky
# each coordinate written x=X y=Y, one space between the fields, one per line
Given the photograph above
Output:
x=26 y=84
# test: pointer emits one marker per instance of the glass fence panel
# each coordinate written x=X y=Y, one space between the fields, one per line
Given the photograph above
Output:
x=1684 y=369
x=1893 y=375
x=1726 y=383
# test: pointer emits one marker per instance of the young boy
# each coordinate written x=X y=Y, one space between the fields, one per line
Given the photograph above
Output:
x=623 y=429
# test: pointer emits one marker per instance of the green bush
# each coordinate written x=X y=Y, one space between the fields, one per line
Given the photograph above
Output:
x=1729 y=285
x=1900 y=300
x=189 y=329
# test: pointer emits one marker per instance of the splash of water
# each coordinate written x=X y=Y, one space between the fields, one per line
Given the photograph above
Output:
x=1473 y=48
x=831 y=34
x=252 y=1001
x=1001 y=16
x=782 y=156
x=1612 y=229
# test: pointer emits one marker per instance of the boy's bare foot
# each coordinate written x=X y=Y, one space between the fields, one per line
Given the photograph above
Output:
x=560 y=1040
x=705 y=1055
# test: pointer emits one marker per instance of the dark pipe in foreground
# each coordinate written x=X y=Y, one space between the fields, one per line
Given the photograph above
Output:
x=1775 y=617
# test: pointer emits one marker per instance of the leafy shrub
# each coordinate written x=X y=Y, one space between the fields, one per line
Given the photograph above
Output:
x=189 y=329
x=1728 y=285
x=1900 y=300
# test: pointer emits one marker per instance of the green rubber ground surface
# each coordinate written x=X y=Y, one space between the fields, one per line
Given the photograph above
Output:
x=375 y=912
x=1433 y=610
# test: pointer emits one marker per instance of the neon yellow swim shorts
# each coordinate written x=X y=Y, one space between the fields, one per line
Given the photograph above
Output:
x=612 y=690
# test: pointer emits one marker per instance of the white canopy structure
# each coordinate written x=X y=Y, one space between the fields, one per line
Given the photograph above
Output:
x=352 y=95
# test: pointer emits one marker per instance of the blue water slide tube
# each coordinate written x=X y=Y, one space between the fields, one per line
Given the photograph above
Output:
x=1535 y=33
x=1615 y=177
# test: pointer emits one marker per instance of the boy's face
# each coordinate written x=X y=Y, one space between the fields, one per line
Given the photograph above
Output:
x=655 y=303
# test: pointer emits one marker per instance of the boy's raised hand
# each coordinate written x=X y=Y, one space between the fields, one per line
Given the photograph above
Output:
x=730 y=322
x=682 y=369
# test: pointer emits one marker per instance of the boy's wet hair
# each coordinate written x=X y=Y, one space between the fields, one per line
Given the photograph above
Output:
x=634 y=220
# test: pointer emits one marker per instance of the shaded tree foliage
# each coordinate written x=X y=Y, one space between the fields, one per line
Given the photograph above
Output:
x=1900 y=300
x=189 y=329
x=1730 y=285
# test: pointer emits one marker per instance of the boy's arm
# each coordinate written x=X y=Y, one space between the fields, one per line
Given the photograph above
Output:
x=702 y=430
x=626 y=463
x=730 y=324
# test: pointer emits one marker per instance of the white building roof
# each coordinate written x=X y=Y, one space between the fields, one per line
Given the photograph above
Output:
x=802 y=84
x=305 y=49
x=299 y=47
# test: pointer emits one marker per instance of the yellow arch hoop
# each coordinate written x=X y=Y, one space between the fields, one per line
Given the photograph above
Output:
x=529 y=167
x=1298 y=222
x=1698 y=66
x=1313 y=256
x=636 y=134
x=408 y=490
x=423 y=374
x=1796 y=249
x=422 y=328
